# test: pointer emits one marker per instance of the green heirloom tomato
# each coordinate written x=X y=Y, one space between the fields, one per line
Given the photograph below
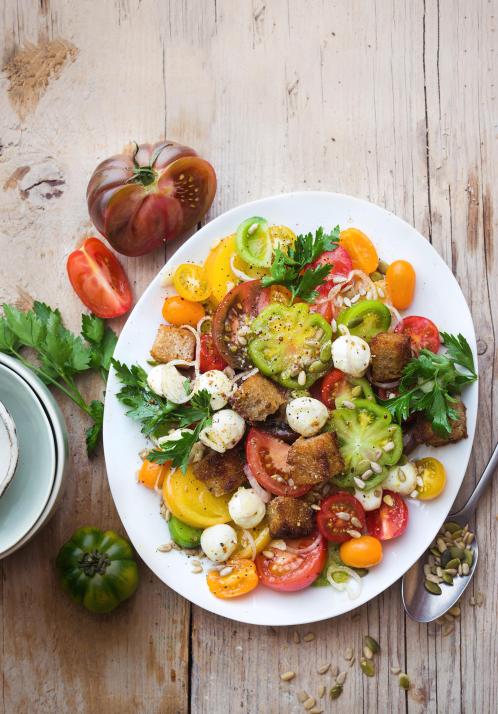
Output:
x=366 y=319
x=253 y=242
x=368 y=442
x=97 y=569
x=354 y=388
x=184 y=535
x=291 y=345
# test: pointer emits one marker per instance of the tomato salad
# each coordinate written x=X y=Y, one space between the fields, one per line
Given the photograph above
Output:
x=284 y=397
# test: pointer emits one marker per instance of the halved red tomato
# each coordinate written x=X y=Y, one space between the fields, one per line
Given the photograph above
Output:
x=290 y=571
x=422 y=331
x=210 y=358
x=328 y=387
x=388 y=521
x=267 y=459
x=99 y=280
x=332 y=518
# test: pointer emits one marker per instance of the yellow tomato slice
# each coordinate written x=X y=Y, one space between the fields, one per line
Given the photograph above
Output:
x=433 y=475
x=361 y=250
x=282 y=237
x=241 y=579
x=261 y=535
x=190 y=500
x=190 y=281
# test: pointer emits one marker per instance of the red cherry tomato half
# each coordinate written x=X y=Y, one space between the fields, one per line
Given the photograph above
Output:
x=267 y=459
x=99 y=280
x=330 y=385
x=287 y=572
x=388 y=521
x=210 y=357
x=338 y=258
x=422 y=331
x=334 y=528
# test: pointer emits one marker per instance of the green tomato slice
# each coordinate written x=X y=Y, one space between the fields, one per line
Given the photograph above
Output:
x=253 y=242
x=366 y=434
x=366 y=319
x=184 y=535
x=289 y=340
x=354 y=388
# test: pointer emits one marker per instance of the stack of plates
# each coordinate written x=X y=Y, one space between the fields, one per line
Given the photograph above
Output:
x=33 y=454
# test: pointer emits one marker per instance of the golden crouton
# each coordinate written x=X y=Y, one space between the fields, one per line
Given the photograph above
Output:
x=173 y=343
x=257 y=398
x=315 y=459
x=425 y=434
x=222 y=473
x=390 y=353
x=289 y=517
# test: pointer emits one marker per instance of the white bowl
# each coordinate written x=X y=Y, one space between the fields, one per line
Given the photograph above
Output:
x=9 y=449
x=438 y=297
x=59 y=431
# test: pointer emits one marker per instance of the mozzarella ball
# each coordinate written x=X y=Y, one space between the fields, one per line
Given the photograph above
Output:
x=167 y=381
x=402 y=479
x=225 y=431
x=196 y=452
x=217 y=384
x=218 y=542
x=370 y=500
x=155 y=379
x=306 y=415
x=246 y=508
x=351 y=354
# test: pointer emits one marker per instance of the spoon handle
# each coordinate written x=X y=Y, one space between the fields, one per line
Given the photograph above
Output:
x=470 y=506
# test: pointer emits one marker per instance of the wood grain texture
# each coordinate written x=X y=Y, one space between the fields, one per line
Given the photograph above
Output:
x=390 y=100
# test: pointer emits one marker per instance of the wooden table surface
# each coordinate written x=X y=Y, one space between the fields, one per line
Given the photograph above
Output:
x=393 y=101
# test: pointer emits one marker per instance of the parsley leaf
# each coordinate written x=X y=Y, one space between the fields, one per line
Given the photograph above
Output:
x=102 y=340
x=96 y=411
x=177 y=451
x=289 y=269
x=430 y=382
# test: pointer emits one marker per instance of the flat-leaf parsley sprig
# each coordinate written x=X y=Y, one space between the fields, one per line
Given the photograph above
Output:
x=288 y=268
x=430 y=382
x=61 y=354
x=158 y=415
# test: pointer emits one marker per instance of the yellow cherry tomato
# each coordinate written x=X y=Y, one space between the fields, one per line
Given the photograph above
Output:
x=282 y=237
x=190 y=500
x=363 y=552
x=240 y=580
x=151 y=474
x=261 y=535
x=360 y=248
x=191 y=282
x=400 y=280
x=433 y=475
x=178 y=311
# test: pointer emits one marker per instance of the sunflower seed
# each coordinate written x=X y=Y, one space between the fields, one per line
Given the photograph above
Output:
x=280 y=544
x=341 y=677
x=448 y=629
x=309 y=703
x=347 y=302
x=465 y=569
x=376 y=468
x=353 y=533
x=366 y=474
x=334 y=325
x=316 y=710
x=321 y=690
x=395 y=670
x=268 y=554
x=414 y=494
x=359 y=482
x=226 y=571
x=343 y=516
x=389 y=446
x=301 y=379
x=287 y=676
x=348 y=653
x=197 y=569
x=302 y=696
x=455 y=611
x=388 y=500
x=309 y=637
x=441 y=545
x=334 y=670
x=166 y=548
x=355 y=522
x=324 y=669
x=296 y=637
x=349 y=405
x=367 y=652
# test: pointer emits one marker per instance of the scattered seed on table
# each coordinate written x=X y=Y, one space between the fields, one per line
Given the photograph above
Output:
x=336 y=691
x=455 y=611
x=309 y=637
x=334 y=670
x=324 y=669
x=287 y=676
x=404 y=681
x=341 y=677
x=368 y=652
x=352 y=661
x=348 y=653
x=309 y=703
x=303 y=696
x=296 y=637
x=371 y=644
x=367 y=667
x=448 y=629
x=395 y=670
x=166 y=548
x=316 y=710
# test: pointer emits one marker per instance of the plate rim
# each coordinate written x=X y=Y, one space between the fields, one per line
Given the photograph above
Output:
x=215 y=606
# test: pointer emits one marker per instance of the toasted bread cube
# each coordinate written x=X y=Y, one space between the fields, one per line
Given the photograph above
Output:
x=257 y=398
x=222 y=473
x=289 y=517
x=425 y=434
x=315 y=459
x=173 y=343
x=390 y=353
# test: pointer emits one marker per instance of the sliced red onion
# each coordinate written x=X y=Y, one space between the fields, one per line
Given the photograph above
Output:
x=264 y=495
x=308 y=549
x=387 y=385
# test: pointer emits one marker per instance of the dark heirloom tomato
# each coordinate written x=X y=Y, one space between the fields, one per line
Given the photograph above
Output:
x=333 y=526
x=290 y=571
x=267 y=458
x=138 y=201
x=388 y=521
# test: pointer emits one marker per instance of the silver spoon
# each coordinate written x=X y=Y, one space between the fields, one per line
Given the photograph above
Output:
x=423 y=606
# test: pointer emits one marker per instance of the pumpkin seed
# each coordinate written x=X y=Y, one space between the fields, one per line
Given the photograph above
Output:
x=432 y=587
x=453 y=563
x=368 y=652
x=404 y=681
x=367 y=667
x=468 y=557
x=435 y=552
x=326 y=352
x=447 y=579
x=371 y=643
x=316 y=366
x=451 y=526
x=452 y=571
x=336 y=691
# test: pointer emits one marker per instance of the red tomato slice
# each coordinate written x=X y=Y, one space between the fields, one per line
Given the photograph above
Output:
x=388 y=521
x=341 y=265
x=422 y=331
x=99 y=280
x=334 y=528
x=267 y=459
x=330 y=386
x=322 y=305
x=287 y=572
x=210 y=358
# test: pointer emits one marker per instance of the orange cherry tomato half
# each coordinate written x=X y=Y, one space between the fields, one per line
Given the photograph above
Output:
x=401 y=279
x=361 y=250
x=152 y=475
x=363 y=552
x=99 y=280
x=178 y=311
x=241 y=580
